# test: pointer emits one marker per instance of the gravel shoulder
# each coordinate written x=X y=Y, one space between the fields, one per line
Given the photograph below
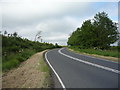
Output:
x=33 y=73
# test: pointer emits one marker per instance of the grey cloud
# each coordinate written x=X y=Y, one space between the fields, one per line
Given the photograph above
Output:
x=55 y=20
x=15 y=17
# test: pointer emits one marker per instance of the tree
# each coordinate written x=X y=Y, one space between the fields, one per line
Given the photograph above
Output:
x=100 y=33
x=38 y=35
x=105 y=29
x=74 y=39
x=5 y=32
x=56 y=45
x=87 y=34
x=15 y=34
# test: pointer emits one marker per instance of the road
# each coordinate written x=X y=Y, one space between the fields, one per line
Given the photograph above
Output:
x=80 y=71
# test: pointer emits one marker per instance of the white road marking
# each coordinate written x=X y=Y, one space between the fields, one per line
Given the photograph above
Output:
x=63 y=86
x=89 y=63
x=98 y=58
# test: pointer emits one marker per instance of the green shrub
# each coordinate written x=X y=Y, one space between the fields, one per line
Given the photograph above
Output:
x=14 y=59
x=16 y=50
x=10 y=64
x=27 y=53
x=21 y=59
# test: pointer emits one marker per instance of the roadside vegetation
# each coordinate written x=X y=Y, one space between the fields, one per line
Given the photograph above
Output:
x=16 y=49
x=32 y=73
x=111 y=52
x=95 y=36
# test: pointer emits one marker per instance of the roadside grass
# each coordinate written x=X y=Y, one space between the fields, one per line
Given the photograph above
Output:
x=106 y=54
x=14 y=59
x=33 y=73
x=44 y=68
x=98 y=52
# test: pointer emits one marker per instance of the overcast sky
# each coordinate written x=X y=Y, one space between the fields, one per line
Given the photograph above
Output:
x=56 y=19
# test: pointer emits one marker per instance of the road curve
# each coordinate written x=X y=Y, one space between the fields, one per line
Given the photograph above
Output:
x=80 y=71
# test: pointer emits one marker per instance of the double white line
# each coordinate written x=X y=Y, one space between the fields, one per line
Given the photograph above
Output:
x=89 y=63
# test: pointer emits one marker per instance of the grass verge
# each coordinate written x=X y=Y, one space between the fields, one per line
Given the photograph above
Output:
x=109 y=55
x=32 y=73
x=14 y=59
x=45 y=69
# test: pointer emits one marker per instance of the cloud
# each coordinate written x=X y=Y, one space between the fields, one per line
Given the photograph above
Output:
x=57 y=29
x=29 y=13
x=55 y=19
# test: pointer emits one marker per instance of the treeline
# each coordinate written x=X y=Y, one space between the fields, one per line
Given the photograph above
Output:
x=16 y=49
x=97 y=33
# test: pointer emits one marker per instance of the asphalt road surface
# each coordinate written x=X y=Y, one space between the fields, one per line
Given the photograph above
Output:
x=79 y=71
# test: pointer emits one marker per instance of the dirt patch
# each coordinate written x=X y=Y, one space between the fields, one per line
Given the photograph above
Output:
x=29 y=74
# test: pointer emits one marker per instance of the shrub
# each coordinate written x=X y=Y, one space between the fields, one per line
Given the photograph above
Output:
x=16 y=49
x=27 y=53
x=10 y=64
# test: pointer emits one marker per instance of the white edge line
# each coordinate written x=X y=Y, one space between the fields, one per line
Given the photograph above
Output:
x=99 y=58
x=92 y=64
x=63 y=86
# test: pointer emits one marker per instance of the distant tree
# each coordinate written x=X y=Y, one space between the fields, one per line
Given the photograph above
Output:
x=5 y=32
x=56 y=45
x=38 y=35
x=8 y=35
x=15 y=34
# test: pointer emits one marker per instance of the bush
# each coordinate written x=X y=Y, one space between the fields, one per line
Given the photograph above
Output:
x=14 y=60
x=10 y=64
x=27 y=53
x=21 y=59
x=16 y=49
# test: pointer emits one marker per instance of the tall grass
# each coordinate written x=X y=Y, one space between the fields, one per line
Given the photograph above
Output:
x=112 y=53
x=16 y=50
x=14 y=59
x=10 y=64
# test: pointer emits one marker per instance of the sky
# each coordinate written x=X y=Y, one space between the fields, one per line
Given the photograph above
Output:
x=56 y=19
